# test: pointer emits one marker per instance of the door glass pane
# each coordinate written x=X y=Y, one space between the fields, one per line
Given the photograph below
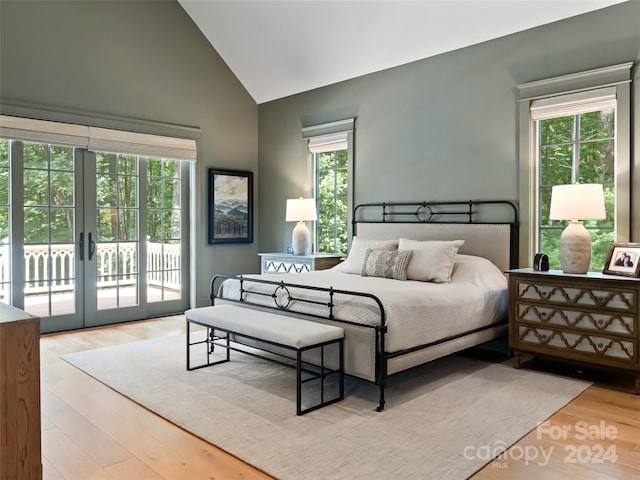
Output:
x=117 y=249
x=49 y=230
x=5 y=260
x=5 y=247
x=164 y=230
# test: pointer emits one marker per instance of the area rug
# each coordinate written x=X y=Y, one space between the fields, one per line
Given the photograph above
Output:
x=437 y=419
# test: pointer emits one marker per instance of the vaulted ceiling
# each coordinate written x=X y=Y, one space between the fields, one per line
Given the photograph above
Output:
x=277 y=48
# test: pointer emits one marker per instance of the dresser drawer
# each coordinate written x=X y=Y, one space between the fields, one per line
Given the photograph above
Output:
x=604 y=322
x=578 y=296
x=586 y=318
x=571 y=344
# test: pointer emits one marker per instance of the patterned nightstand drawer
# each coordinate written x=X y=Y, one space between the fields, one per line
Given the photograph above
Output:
x=580 y=344
x=582 y=296
x=603 y=322
x=288 y=263
x=278 y=266
x=591 y=318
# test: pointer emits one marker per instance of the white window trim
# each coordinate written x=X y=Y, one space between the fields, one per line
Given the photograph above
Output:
x=616 y=77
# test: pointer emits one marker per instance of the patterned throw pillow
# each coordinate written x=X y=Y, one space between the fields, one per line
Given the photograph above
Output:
x=386 y=263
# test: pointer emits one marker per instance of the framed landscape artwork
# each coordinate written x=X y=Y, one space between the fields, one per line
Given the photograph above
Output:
x=230 y=206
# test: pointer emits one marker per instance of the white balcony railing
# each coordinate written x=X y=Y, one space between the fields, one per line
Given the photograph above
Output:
x=116 y=263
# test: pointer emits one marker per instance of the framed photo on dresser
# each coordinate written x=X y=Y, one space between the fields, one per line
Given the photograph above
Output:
x=623 y=259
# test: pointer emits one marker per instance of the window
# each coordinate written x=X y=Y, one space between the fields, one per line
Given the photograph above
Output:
x=576 y=143
x=572 y=128
x=332 y=196
x=331 y=162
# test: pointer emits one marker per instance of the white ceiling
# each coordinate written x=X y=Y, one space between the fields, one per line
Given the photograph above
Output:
x=278 y=48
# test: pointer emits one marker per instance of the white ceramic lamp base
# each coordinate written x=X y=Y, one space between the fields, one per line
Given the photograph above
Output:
x=575 y=248
x=301 y=239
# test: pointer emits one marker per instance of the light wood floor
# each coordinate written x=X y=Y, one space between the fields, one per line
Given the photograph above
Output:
x=91 y=432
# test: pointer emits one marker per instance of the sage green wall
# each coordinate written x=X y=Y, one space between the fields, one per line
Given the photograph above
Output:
x=143 y=60
x=443 y=128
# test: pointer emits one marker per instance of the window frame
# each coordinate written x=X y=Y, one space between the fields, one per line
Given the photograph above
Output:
x=618 y=76
x=314 y=135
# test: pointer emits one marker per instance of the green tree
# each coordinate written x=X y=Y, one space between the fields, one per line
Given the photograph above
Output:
x=577 y=148
x=332 y=197
x=4 y=189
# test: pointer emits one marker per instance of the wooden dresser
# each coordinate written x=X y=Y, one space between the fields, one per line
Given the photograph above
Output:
x=20 y=436
x=590 y=318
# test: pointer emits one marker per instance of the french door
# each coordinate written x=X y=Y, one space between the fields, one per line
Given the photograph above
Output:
x=95 y=238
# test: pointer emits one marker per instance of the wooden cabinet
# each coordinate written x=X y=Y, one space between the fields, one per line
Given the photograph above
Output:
x=289 y=263
x=590 y=318
x=20 y=436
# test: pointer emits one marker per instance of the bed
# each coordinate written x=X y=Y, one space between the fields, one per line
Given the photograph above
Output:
x=421 y=280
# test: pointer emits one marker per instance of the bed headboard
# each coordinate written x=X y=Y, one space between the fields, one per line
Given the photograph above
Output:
x=488 y=227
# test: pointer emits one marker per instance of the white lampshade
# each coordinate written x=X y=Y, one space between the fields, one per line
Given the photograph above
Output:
x=576 y=202
x=301 y=210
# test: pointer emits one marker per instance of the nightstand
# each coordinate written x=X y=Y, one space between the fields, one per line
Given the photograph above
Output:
x=591 y=318
x=289 y=263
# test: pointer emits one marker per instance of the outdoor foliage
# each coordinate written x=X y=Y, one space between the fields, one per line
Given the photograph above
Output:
x=333 y=205
x=163 y=200
x=48 y=194
x=50 y=197
x=4 y=190
x=577 y=148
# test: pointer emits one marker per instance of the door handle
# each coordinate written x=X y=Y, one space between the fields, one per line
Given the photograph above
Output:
x=92 y=247
x=81 y=246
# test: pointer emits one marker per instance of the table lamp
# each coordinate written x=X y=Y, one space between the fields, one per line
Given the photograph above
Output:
x=576 y=202
x=301 y=210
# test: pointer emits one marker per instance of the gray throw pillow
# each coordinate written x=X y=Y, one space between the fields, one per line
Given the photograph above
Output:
x=386 y=263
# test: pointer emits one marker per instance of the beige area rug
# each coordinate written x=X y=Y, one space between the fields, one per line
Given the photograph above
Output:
x=437 y=415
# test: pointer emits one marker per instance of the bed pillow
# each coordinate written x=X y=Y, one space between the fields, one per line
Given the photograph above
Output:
x=432 y=261
x=353 y=263
x=386 y=263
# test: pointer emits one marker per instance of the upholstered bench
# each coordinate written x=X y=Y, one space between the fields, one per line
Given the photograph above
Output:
x=295 y=334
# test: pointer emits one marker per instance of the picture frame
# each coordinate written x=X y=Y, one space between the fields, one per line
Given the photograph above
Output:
x=623 y=259
x=230 y=206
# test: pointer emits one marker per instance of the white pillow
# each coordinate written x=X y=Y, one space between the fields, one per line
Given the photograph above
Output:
x=355 y=259
x=432 y=261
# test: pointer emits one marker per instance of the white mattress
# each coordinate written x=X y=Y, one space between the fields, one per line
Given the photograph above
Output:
x=417 y=313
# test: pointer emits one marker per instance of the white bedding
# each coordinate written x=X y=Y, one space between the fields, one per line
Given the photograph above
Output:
x=417 y=313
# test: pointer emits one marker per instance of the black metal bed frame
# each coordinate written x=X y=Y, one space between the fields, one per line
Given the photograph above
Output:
x=443 y=212
x=423 y=212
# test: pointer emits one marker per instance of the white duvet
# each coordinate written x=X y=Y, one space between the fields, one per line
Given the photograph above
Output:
x=417 y=313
